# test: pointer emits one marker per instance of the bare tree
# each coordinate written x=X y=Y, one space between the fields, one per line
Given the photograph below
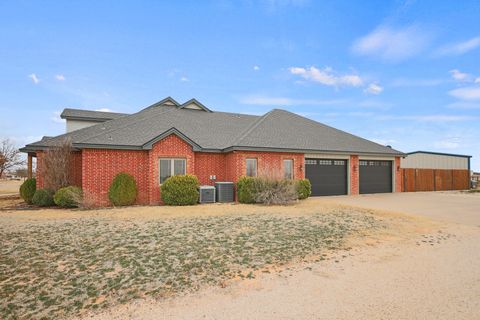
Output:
x=9 y=156
x=55 y=165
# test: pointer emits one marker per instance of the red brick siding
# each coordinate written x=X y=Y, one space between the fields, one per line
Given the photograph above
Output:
x=268 y=163
x=354 y=174
x=398 y=175
x=76 y=169
x=39 y=170
x=170 y=147
x=99 y=167
x=207 y=164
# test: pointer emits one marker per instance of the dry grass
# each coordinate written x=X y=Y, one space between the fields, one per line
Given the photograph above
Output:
x=57 y=263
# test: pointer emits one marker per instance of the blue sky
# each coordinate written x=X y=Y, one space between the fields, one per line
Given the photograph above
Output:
x=404 y=73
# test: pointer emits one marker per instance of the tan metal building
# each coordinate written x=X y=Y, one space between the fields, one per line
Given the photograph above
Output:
x=434 y=171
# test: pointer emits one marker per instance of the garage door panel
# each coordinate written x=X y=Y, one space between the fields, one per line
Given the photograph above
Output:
x=375 y=176
x=327 y=176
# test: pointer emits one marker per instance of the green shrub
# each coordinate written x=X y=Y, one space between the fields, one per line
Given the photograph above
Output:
x=245 y=190
x=181 y=190
x=123 y=190
x=68 y=197
x=43 y=198
x=27 y=190
x=304 y=189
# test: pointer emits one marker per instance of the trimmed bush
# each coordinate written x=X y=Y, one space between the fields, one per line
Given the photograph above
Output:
x=27 y=190
x=123 y=190
x=304 y=189
x=68 y=197
x=245 y=190
x=43 y=198
x=180 y=190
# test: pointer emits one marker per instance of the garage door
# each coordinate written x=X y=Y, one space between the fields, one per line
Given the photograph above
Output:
x=375 y=176
x=327 y=176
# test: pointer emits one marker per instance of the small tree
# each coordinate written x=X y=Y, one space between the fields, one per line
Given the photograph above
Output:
x=55 y=165
x=9 y=156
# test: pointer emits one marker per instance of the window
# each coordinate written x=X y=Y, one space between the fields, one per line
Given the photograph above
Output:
x=171 y=167
x=251 y=167
x=310 y=161
x=339 y=162
x=325 y=162
x=288 y=168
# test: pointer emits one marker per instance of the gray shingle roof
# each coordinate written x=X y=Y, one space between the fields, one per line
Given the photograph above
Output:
x=79 y=114
x=277 y=130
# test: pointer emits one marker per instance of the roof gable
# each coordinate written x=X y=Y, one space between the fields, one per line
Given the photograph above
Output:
x=194 y=104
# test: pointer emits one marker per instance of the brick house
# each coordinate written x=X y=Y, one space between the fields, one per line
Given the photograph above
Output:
x=169 y=138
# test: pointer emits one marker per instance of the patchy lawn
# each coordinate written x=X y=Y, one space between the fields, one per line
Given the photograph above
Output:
x=10 y=186
x=69 y=262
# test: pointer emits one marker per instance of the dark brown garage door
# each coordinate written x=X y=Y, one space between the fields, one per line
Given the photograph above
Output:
x=327 y=176
x=375 y=176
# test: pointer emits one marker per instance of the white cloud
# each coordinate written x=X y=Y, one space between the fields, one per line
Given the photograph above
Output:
x=477 y=80
x=466 y=93
x=34 y=78
x=374 y=88
x=60 y=77
x=327 y=76
x=184 y=79
x=460 y=76
x=104 y=110
x=460 y=48
x=283 y=101
x=392 y=44
x=56 y=117
x=256 y=68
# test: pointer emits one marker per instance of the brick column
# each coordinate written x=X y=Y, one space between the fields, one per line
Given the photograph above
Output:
x=398 y=175
x=354 y=169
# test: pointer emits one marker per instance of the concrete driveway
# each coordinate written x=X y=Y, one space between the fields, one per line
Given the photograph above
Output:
x=453 y=206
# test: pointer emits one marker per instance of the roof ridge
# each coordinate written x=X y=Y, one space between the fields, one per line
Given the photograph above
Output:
x=129 y=124
x=252 y=127
x=326 y=125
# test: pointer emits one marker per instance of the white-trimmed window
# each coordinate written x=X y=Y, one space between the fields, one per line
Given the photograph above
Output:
x=251 y=165
x=171 y=167
x=288 y=169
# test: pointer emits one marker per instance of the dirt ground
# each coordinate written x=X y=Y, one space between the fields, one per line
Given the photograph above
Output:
x=9 y=186
x=62 y=263
x=428 y=270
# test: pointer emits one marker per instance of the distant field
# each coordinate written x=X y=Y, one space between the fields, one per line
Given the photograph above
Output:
x=9 y=186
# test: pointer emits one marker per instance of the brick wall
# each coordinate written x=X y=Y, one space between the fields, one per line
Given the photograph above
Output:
x=268 y=163
x=170 y=147
x=39 y=170
x=398 y=175
x=100 y=166
x=76 y=169
x=207 y=164
x=354 y=175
